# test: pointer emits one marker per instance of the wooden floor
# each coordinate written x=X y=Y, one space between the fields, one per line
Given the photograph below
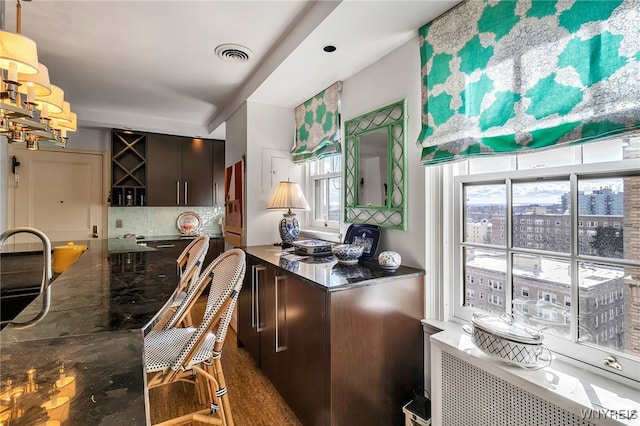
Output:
x=254 y=400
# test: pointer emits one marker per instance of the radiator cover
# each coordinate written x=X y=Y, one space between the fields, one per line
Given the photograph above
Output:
x=472 y=396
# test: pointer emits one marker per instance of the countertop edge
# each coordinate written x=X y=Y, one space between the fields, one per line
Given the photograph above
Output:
x=262 y=253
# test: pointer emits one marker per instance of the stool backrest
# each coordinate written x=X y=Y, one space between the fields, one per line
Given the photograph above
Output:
x=226 y=274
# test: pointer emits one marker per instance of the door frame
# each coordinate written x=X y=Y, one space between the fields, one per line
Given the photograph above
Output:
x=105 y=159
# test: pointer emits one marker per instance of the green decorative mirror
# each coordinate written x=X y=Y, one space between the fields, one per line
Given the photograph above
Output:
x=375 y=163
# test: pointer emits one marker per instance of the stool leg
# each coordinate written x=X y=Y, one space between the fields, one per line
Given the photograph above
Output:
x=224 y=399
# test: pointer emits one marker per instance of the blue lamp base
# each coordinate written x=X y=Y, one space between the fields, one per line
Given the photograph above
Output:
x=289 y=228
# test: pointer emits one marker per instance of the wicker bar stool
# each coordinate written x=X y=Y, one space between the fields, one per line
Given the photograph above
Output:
x=189 y=269
x=190 y=264
x=193 y=354
x=193 y=255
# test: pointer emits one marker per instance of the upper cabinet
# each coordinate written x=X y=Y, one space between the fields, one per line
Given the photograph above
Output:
x=218 y=172
x=175 y=171
x=128 y=168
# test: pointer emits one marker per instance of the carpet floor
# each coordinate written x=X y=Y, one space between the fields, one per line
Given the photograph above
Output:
x=254 y=400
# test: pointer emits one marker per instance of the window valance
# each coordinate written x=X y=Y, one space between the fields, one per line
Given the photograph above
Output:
x=510 y=76
x=317 y=121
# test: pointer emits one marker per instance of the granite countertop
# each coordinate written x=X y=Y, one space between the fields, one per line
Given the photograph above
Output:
x=326 y=272
x=98 y=308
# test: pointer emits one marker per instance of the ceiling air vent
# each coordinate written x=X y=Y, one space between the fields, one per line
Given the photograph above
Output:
x=233 y=53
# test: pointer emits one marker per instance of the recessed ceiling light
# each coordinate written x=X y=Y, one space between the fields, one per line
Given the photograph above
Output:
x=233 y=53
x=329 y=48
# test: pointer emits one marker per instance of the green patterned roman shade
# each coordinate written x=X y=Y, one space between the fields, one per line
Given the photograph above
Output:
x=510 y=76
x=318 y=126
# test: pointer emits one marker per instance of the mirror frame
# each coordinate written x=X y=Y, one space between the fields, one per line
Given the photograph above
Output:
x=393 y=118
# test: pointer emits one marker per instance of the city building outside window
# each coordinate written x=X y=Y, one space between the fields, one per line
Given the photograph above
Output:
x=573 y=275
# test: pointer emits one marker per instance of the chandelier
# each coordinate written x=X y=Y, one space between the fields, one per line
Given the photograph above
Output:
x=32 y=110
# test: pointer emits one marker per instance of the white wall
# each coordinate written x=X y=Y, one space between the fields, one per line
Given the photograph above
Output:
x=92 y=139
x=236 y=139
x=89 y=139
x=269 y=130
x=261 y=132
x=260 y=128
x=392 y=78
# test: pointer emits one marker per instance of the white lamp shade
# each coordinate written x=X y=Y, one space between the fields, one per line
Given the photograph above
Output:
x=40 y=82
x=72 y=125
x=64 y=116
x=54 y=100
x=19 y=50
x=288 y=195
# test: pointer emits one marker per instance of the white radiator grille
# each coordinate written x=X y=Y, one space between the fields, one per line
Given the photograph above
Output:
x=471 y=396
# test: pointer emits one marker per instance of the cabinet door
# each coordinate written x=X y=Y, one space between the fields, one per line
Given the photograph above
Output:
x=269 y=327
x=218 y=172
x=249 y=308
x=197 y=172
x=164 y=154
x=216 y=247
x=301 y=337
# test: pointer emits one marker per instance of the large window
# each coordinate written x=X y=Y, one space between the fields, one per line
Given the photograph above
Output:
x=541 y=242
x=326 y=189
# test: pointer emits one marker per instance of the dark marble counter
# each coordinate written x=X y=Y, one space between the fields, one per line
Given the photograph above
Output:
x=94 y=326
x=99 y=386
x=327 y=272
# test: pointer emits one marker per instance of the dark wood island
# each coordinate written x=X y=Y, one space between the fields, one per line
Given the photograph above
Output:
x=343 y=344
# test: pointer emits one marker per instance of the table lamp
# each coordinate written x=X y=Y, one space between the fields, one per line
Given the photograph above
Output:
x=288 y=196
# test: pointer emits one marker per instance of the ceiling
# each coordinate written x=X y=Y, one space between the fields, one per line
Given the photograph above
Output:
x=150 y=65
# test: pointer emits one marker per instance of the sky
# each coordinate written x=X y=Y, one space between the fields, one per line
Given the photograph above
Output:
x=538 y=192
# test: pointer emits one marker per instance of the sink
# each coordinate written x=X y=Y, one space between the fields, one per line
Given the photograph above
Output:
x=13 y=302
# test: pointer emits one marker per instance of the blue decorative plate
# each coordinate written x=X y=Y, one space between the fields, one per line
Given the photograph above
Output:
x=365 y=234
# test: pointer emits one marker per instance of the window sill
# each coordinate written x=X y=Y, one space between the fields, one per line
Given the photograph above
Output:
x=334 y=237
x=565 y=383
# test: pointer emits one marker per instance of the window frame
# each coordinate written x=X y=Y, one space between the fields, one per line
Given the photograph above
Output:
x=312 y=176
x=586 y=352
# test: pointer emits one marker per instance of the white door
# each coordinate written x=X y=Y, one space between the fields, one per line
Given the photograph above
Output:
x=58 y=192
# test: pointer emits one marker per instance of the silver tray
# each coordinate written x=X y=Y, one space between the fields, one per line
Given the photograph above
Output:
x=189 y=223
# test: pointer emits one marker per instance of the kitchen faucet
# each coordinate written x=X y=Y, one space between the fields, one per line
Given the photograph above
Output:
x=45 y=289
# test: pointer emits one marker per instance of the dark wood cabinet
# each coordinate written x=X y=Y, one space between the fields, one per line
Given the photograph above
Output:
x=344 y=357
x=157 y=170
x=281 y=324
x=300 y=337
x=128 y=168
x=197 y=172
x=164 y=170
x=216 y=247
x=218 y=172
x=249 y=307
x=179 y=171
x=172 y=248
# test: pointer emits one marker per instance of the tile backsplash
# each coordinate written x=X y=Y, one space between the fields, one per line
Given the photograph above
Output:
x=154 y=221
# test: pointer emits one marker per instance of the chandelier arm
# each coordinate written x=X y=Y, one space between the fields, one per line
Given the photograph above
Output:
x=18 y=17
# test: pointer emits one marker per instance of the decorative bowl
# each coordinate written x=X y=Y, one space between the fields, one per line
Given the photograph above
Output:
x=312 y=247
x=389 y=260
x=347 y=253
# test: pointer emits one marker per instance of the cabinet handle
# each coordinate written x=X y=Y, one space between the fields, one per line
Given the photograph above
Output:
x=281 y=347
x=177 y=193
x=185 y=193
x=215 y=194
x=255 y=296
